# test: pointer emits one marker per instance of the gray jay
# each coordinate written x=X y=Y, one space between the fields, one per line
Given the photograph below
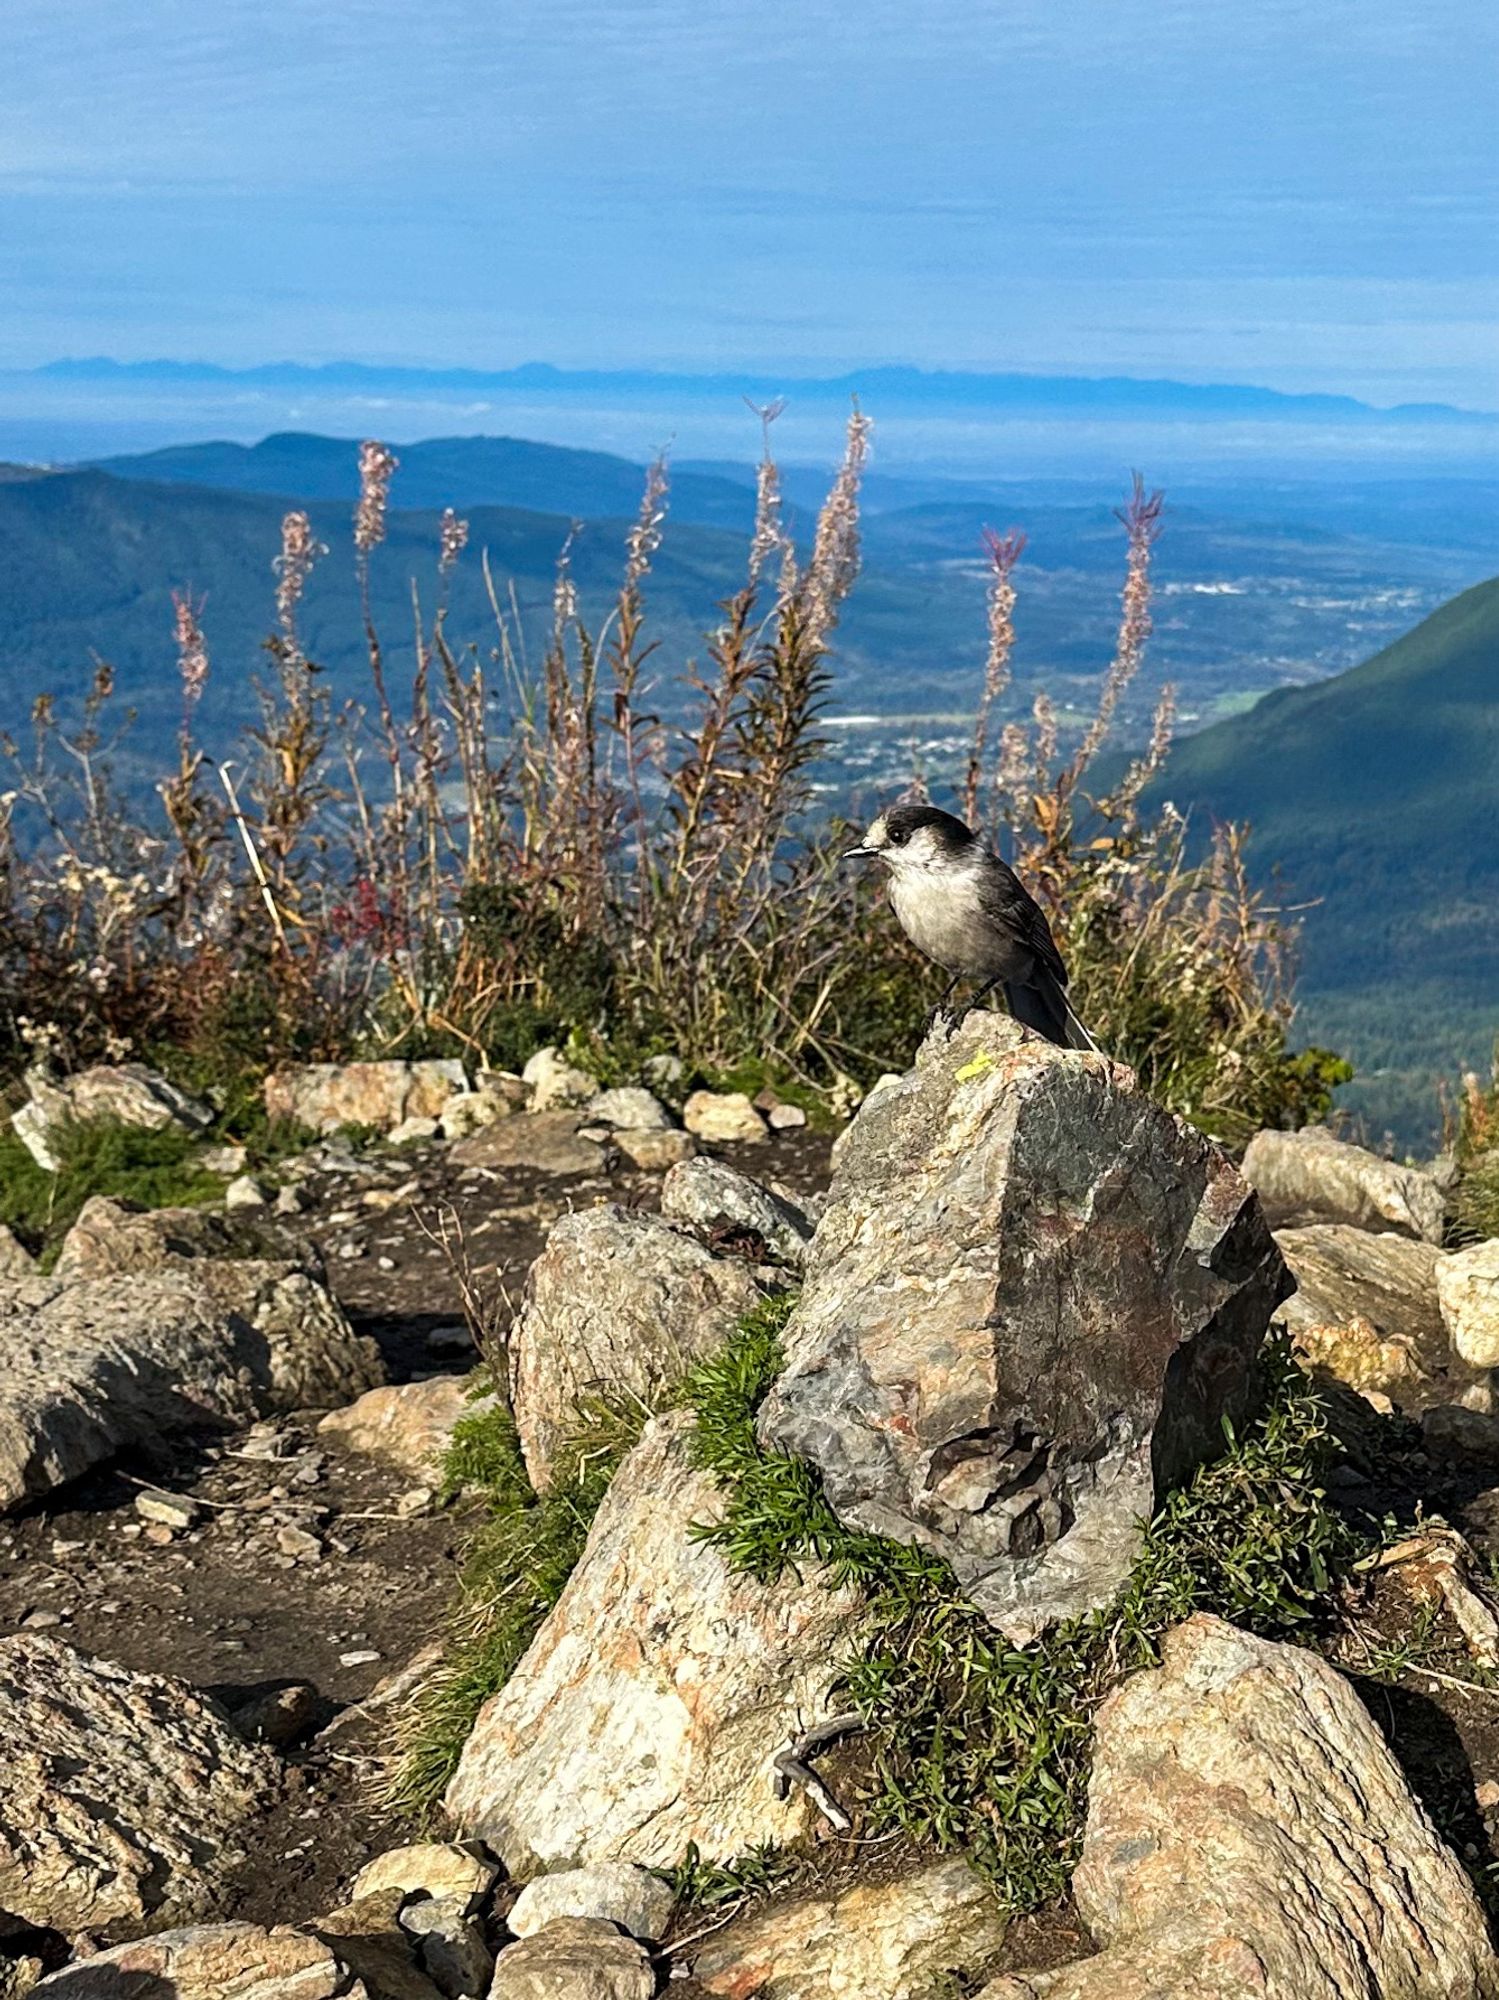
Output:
x=966 y=910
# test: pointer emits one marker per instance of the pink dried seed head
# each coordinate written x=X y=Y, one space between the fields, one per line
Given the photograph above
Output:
x=377 y=466
x=192 y=648
x=453 y=540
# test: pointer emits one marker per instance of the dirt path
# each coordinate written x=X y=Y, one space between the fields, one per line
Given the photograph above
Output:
x=300 y=1571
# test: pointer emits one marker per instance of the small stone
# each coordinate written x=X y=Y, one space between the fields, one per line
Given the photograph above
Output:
x=278 y=1716
x=226 y=1160
x=379 y=1199
x=291 y=1200
x=362 y=1657
x=556 y=1084
x=450 y=1946
x=416 y=1500
x=654 y=1151
x=415 y=1132
x=725 y=1117
x=350 y=1252
x=1468 y=1293
x=629 y=1109
x=41 y=1621
x=385 y=1263
x=616 y=1891
x=786 y=1117
x=299 y=1544
x=663 y=1071
x=597 y=1135
x=452 y=1339
x=454 y=1871
x=16 y=1261
x=244 y=1192
x=170 y=1510
x=573 y=1959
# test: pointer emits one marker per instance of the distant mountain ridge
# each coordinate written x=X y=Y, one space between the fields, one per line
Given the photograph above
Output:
x=1375 y=796
x=892 y=386
x=440 y=472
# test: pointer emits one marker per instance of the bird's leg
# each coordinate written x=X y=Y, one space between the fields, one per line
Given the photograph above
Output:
x=982 y=993
x=940 y=1011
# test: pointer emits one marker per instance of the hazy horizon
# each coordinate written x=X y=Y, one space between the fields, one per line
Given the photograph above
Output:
x=1144 y=187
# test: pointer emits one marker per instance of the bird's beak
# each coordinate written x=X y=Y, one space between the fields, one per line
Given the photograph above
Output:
x=858 y=853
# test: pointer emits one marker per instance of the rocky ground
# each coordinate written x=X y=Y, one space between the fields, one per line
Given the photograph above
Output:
x=286 y=1552
x=303 y=1568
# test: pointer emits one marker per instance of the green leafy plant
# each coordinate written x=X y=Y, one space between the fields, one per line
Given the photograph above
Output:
x=976 y=1743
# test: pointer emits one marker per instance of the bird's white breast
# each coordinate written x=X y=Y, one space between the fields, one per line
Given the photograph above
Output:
x=939 y=911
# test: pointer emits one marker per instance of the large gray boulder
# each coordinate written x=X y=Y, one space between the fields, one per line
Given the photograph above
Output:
x=647 y=1710
x=124 y=1798
x=1031 y=1302
x=616 y=1301
x=1250 y=1837
x=94 y=1367
x=114 y=1093
x=1309 y=1176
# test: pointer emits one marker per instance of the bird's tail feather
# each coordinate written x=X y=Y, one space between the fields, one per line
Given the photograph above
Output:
x=1045 y=1007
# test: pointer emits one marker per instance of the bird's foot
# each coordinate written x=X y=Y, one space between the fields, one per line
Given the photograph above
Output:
x=942 y=1017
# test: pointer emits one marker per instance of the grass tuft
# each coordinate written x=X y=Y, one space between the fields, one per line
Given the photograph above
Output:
x=149 y=1169
x=979 y=1744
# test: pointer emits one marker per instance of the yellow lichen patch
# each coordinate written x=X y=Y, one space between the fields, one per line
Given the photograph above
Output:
x=980 y=1065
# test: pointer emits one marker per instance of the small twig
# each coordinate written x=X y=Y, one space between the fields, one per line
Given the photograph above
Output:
x=791 y=1766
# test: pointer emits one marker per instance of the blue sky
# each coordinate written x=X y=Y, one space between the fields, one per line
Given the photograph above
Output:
x=1301 y=195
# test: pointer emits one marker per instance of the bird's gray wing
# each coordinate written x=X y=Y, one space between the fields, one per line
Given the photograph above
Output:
x=1007 y=903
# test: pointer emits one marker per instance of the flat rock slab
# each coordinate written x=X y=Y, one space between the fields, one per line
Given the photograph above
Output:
x=93 y=1367
x=874 y=1941
x=209 y=1962
x=325 y=1096
x=111 y=1239
x=1029 y=1305
x=1250 y=1837
x=1309 y=1176
x=1365 y=1311
x=616 y=1301
x=124 y=1798
x=545 y=1141
x=646 y=1713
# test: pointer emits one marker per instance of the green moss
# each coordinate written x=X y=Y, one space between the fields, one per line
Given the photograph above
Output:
x=973 y=1742
x=149 y=1169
